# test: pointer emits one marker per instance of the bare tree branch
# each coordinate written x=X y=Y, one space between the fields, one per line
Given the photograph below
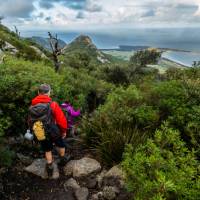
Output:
x=56 y=51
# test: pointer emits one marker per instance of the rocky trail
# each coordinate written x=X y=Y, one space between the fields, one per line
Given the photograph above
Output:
x=82 y=178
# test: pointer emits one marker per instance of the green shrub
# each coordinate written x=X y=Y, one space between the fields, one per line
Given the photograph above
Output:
x=115 y=74
x=19 y=80
x=178 y=102
x=123 y=119
x=81 y=84
x=163 y=168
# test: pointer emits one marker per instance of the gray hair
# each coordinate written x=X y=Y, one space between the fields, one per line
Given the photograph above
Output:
x=44 y=88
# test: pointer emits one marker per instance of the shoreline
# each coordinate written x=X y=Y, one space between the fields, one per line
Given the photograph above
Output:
x=138 y=48
x=175 y=62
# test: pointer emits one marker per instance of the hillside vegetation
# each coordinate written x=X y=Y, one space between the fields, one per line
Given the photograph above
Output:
x=11 y=42
x=133 y=116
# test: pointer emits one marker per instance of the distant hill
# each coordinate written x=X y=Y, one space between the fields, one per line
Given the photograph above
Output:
x=10 y=42
x=44 y=42
x=84 y=45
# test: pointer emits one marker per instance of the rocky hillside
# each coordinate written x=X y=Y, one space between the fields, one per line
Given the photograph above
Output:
x=10 y=42
x=83 y=44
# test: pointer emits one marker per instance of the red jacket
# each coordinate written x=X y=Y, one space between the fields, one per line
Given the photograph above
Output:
x=58 y=114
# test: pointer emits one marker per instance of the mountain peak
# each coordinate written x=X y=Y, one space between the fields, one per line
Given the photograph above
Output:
x=84 y=39
x=83 y=43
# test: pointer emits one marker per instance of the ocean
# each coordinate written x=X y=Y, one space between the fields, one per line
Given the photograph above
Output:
x=176 y=38
x=184 y=58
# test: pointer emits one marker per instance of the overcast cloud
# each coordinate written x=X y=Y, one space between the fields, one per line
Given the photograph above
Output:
x=79 y=14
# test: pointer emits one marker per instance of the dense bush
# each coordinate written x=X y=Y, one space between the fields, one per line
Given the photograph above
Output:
x=123 y=119
x=163 y=168
x=174 y=100
x=19 y=80
x=115 y=74
x=178 y=102
x=82 y=85
x=77 y=60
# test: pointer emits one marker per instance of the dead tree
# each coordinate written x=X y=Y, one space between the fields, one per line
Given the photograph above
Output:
x=56 y=51
x=17 y=31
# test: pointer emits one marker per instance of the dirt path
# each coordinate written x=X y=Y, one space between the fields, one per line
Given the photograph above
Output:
x=16 y=184
x=23 y=186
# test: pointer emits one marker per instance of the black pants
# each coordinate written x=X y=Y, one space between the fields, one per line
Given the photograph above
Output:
x=47 y=144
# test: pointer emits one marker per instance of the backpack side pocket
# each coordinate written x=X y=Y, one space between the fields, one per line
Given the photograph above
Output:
x=39 y=131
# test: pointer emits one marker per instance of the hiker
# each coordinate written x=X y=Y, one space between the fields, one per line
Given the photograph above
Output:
x=71 y=114
x=49 y=125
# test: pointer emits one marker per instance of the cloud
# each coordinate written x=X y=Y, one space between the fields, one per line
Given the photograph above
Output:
x=48 y=19
x=91 y=13
x=88 y=5
x=76 y=5
x=80 y=15
x=182 y=13
x=93 y=6
x=149 y=13
x=73 y=4
x=16 y=8
x=46 y=4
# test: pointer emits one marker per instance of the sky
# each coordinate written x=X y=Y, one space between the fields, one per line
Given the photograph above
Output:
x=99 y=14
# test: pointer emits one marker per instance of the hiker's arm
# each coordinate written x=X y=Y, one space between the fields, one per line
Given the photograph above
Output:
x=59 y=117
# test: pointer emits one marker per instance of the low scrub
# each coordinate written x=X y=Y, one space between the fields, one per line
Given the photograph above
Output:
x=163 y=168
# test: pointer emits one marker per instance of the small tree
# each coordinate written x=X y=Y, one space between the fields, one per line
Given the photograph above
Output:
x=196 y=64
x=56 y=51
x=145 y=57
x=116 y=74
x=17 y=31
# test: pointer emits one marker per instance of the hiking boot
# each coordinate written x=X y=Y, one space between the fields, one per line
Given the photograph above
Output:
x=56 y=173
x=45 y=174
x=64 y=159
x=52 y=170
x=49 y=169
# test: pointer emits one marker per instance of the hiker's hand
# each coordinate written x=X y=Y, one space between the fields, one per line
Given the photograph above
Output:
x=64 y=135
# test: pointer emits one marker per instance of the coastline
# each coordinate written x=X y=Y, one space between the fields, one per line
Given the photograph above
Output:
x=174 y=62
x=137 y=48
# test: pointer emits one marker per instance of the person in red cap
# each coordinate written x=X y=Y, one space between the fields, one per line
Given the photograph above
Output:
x=60 y=126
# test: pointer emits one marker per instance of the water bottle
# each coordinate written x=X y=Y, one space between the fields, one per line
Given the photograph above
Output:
x=28 y=135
